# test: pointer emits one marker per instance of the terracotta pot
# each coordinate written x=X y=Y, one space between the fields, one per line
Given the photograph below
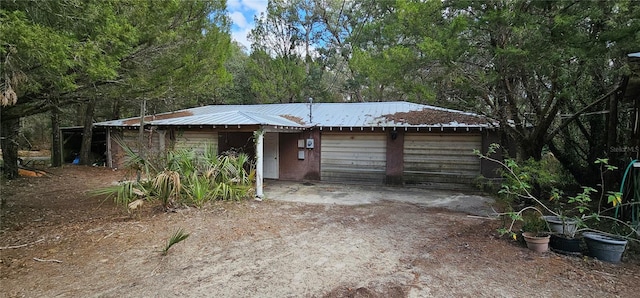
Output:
x=536 y=242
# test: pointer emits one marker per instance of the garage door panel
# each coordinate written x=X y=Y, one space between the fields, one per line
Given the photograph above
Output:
x=349 y=157
x=450 y=167
x=441 y=158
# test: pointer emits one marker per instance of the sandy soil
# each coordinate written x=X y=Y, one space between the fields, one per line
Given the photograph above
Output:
x=79 y=245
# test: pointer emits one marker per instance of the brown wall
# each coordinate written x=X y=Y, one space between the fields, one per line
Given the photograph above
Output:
x=488 y=168
x=395 y=157
x=117 y=154
x=291 y=168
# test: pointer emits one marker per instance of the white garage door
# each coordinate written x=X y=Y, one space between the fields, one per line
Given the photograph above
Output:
x=350 y=157
x=441 y=158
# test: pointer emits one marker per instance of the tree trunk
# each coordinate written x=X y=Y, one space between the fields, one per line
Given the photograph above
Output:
x=87 y=133
x=636 y=127
x=10 y=129
x=56 y=139
x=612 y=126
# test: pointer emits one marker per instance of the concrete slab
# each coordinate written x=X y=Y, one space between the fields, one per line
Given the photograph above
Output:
x=353 y=194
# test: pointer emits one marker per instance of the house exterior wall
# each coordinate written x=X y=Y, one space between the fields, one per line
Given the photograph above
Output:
x=489 y=169
x=131 y=138
x=293 y=168
x=395 y=157
x=197 y=140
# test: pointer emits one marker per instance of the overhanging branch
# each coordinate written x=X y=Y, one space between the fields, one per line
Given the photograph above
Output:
x=568 y=121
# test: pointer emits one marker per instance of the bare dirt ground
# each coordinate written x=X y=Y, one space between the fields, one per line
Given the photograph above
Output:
x=78 y=245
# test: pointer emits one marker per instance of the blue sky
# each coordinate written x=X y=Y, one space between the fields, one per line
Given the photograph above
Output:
x=241 y=13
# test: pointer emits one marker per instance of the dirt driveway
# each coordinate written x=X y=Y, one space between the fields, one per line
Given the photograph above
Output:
x=57 y=241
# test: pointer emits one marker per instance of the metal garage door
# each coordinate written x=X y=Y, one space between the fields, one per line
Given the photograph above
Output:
x=351 y=157
x=434 y=159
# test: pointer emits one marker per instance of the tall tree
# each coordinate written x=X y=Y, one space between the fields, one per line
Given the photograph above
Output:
x=56 y=53
x=276 y=67
x=523 y=63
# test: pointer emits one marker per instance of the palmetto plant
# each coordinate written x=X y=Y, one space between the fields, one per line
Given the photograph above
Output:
x=123 y=193
x=167 y=187
x=177 y=237
x=182 y=176
x=198 y=189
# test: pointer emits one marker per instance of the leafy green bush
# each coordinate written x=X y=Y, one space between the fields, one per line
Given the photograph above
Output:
x=181 y=176
x=545 y=178
x=580 y=207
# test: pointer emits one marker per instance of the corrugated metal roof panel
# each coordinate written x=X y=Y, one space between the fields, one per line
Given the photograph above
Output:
x=367 y=114
x=635 y=55
x=228 y=118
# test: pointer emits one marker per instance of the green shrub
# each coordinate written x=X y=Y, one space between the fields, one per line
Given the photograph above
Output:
x=181 y=176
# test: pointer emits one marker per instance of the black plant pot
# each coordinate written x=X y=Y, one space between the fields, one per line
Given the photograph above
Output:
x=604 y=247
x=566 y=245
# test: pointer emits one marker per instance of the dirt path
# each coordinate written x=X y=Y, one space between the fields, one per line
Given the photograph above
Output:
x=271 y=249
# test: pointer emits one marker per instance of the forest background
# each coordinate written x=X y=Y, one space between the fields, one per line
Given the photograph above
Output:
x=552 y=73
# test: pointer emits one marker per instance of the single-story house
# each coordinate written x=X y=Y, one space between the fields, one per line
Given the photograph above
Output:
x=372 y=142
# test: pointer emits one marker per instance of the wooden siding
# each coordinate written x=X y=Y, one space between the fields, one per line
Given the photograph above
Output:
x=131 y=138
x=433 y=159
x=350 y=157
x=151 y=140
x=196 y=140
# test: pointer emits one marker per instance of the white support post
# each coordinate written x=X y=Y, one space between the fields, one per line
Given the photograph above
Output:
x=259 y=163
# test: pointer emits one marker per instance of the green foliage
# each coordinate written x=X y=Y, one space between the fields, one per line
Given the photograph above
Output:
x=579 y=208
x=177 y=237
x=123 y=193
x=545 y=177
x=276 y=80
x=198 y=189
x=56 y=54
x=186 y=178
x=533 y=222
x=522 y=63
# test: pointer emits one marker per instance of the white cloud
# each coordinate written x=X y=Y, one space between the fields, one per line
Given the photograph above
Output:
x=241 y=13
x=234 y=4
x=238 y=19
x=256 y=5
x=241 y=37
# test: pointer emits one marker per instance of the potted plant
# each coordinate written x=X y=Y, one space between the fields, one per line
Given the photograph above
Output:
x=603 y=242
x=565 y=238
x=535 y=231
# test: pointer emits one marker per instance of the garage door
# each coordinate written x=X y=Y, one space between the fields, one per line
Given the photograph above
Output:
x=441 y=158
x=353 y=157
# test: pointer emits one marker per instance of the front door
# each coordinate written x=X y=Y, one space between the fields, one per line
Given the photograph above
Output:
x=270 y=165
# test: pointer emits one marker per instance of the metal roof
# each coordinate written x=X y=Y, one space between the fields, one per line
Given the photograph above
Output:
x=364 y=114
x=634 y=55
x=228 y=118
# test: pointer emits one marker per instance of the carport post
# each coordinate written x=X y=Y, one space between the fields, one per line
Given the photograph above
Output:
x=259 y=136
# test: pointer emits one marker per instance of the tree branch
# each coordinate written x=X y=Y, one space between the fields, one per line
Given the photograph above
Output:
x=566 y=122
